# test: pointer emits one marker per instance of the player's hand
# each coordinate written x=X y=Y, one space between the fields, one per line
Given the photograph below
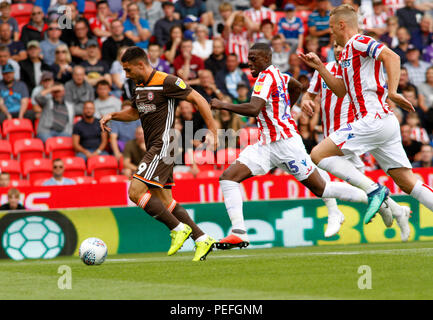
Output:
x=104 y=121
x=307 y=107
x=311 y=59
x=401 y=101
x=216 y=104
x=212 y=140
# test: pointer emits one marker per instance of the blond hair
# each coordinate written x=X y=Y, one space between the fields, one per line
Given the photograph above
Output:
x=346 y=13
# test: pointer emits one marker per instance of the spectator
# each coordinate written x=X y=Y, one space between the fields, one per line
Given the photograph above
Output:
x=5 y=58
x=73 y=16
x=5 y=17
x=292 y=29
x=190 y=25
x=134 y=152
x=296 y=68
x=35 y=29
x=217 y=60
x=208 y=88
x=155 y=51
x=318 y=23
x=5 y=179
x=163 y=26
x=32 y=67
x=101 y=24
x=236 y=34
x=117 y=39
x=225 y=10
x=118 y=75
x=78 y=45
x=423 y=37
x=122 y=132
x=411 y=94
x=95 y=68
x=172 y=47
x=227 y=80
x=63 y=65
x=13 y=201
x=426 y=88
x=150 y=10
x=266 y=32
x=105 y=103
x=78 y=90
x=376 y=21
x=50 y=44
x=256 y=14
x=425 y=157
x=16 y=48
x=280 y=56
x=191 y=122
x=136 y=28
x=409 y=17
x=390 y=36
x=87 y=137
x=187 y=65
x=57 y=114
x=306 y=130
x=418 y=133
x=54 y=11
x=15 y=97
x=231 y=124
x=416 y=68
x=196 y=8
x=58 y=179
x=47 y=81
x=403 y=82
x=403 y=37
x=411 y=147
x=202 y=46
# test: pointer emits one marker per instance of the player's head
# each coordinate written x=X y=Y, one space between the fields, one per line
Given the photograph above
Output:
x=259 y=58
x=135 y=62
x=343 y=22
x=337 y=50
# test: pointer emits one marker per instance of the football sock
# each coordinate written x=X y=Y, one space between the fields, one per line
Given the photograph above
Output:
x=233 y=201
x=201 y=238
x=182 y=215
x=155 y=208
x=330 y=203
x=345 y=192
x=345 y=170
x=423 y=193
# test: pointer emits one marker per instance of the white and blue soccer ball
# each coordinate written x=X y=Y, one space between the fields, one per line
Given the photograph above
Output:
x=93 y=251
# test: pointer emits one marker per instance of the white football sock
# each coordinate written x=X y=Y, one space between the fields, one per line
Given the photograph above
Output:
x=201 y=238
x=179 y=227
x=346 y=171
x=344 y=192
x=330 y=203
x=423 y=193
x=233 y=201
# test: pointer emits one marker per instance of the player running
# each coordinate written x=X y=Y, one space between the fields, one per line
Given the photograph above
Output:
x=280 y=144
x=337 y=113
x=154 y=103
x=375 y=129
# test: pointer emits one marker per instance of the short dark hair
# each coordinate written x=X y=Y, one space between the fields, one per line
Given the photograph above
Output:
x=98 y=3
x=102 y=82
x=264 y=47
x=133 y=54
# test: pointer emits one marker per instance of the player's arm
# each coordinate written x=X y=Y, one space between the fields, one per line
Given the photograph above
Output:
x=295 y=89
x=126 y=115
x=391 y=62
x=307 y=103
x=250 y=109
x=335 y=84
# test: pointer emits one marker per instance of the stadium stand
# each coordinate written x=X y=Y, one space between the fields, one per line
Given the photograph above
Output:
x=36 y=169
x=74 y=167
x=100 y=166
x=5 y=150
x=25 y=149
x=59 y=147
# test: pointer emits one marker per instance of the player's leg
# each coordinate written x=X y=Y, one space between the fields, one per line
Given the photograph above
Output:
x=230 y=185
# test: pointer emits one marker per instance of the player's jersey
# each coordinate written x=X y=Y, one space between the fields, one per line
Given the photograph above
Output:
x=156 y=104
x=336 y=112
x=274 y=120
x=364 y=76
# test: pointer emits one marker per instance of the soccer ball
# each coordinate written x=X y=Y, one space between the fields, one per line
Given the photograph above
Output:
x=93 y=251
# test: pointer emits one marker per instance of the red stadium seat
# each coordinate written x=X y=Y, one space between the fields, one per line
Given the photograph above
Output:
x=84 y=180
x=5 y=150
x=16 y=129
x=74 y=167
x=205 y=159
x=20 y=183
x=248 y=135
x=99 y=166
x=36 y=169
x=113 y=178
x=59 y=147
x=12 y=167
x=26 y=149
x=182 y=175
x=89 y=10
x=225 y=157
x=21 y=12
x=209 y=174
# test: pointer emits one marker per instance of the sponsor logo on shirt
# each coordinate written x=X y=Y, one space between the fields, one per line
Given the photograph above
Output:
x=146 y=108
x=345 y=63
x=179 y=82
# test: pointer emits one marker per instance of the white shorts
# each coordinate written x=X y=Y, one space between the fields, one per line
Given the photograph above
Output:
x=288 y=154
x=380 y=137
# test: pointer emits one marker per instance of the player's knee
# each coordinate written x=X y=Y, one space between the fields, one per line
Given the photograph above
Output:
x=315 y=155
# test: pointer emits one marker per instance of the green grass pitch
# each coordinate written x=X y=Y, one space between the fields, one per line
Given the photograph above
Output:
x=398 y=271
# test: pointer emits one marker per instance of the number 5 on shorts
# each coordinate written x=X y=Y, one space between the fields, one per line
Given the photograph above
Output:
x=291 y=166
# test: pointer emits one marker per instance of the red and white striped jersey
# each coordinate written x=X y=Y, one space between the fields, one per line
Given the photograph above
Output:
x=391 y=6
x=336 y=112
x=274 y=120
x=257 y=16
x=239 y=45
x=375 y=21
x=364 y=76
x=420 y=135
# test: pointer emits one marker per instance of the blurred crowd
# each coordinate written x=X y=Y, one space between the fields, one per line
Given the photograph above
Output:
x=62 y=69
